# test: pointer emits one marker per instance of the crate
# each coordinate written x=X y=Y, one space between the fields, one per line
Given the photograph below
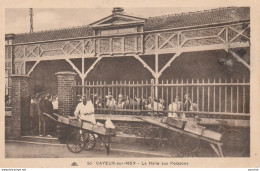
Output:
x=75 y=122
x=175 y=122
x=193 y=128
x=63 y=119
x=212 y=134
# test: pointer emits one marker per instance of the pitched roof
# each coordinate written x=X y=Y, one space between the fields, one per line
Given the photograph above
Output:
x=67 y=33
x=220 y=15
x=200 y=18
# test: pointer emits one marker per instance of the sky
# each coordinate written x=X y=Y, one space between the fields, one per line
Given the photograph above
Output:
x=17 y=20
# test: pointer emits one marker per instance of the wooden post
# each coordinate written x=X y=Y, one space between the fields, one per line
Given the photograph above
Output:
x=152 y=94
x=83 y=71
x=156 y=77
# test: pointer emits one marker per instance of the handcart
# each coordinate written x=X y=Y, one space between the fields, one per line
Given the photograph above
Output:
x=187 y=141
x=82 y=134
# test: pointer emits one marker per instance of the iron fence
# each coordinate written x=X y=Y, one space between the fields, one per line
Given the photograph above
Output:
x=204 y=96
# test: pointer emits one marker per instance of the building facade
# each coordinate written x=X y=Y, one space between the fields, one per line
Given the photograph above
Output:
x=208 y=48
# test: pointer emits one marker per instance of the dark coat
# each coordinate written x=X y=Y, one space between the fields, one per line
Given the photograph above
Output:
x=48 y=107
x=40 y=106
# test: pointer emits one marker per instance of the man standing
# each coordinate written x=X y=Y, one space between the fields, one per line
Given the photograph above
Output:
x=48 y=108
x=174 y=107
x=40 y=106
x=33 y=114
x=85 y=110
x=187 y=103
x=55 y=104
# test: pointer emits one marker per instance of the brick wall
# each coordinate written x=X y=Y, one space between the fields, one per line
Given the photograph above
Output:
x=67 y=95
x=132 y=127
x=126 y=127
x=19 y=92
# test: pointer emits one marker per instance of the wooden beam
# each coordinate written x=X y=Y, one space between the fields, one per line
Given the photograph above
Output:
x=74 y=47
x=156 y=77
x=167 y=40
x=82 y=71
x=145 y=64
x=239 y=33
x=199 y=48
x=215 y=149
x=169 y=62
x=60 y=57
x=92 y=66
x=31 y=70
x=239 y=59
x=74 y=67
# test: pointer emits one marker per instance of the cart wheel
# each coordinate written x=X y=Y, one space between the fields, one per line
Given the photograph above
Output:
x=234 y=143
x=187 y=145
x=152 y=139
x=90 y=141
x=75 y=142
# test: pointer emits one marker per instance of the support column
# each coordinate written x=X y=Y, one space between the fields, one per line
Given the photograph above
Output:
x=83 y=71
x=19 y=94
x=66 y=93
x=156 y=76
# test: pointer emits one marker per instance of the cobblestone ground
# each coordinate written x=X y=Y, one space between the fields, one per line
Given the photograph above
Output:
x=19 y=149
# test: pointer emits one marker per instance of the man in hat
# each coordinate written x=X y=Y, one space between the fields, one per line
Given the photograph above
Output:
x=174 y=107
x=85 y=110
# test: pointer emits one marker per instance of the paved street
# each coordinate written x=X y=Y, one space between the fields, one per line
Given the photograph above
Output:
x=16 y=149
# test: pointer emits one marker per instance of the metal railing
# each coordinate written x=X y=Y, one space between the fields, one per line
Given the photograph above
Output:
x=206 y=96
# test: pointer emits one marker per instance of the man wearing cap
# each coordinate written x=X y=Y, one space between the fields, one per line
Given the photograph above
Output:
x=85 y=110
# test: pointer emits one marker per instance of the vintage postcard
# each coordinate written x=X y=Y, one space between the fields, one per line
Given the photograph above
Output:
x=168 y=84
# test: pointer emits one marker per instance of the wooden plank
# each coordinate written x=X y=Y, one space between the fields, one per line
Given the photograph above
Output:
x=155 y=122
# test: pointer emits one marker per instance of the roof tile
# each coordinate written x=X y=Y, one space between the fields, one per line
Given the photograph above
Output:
x=220 y=15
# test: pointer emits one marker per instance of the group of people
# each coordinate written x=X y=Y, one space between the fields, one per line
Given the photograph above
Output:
x=45 y=103
x=40 y=124
x=124 y=102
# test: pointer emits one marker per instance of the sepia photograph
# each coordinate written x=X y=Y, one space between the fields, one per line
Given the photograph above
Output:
x=121 y=82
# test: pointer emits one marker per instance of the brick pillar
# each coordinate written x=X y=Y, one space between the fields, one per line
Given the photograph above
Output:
x=67 y=95
x=19 y=92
